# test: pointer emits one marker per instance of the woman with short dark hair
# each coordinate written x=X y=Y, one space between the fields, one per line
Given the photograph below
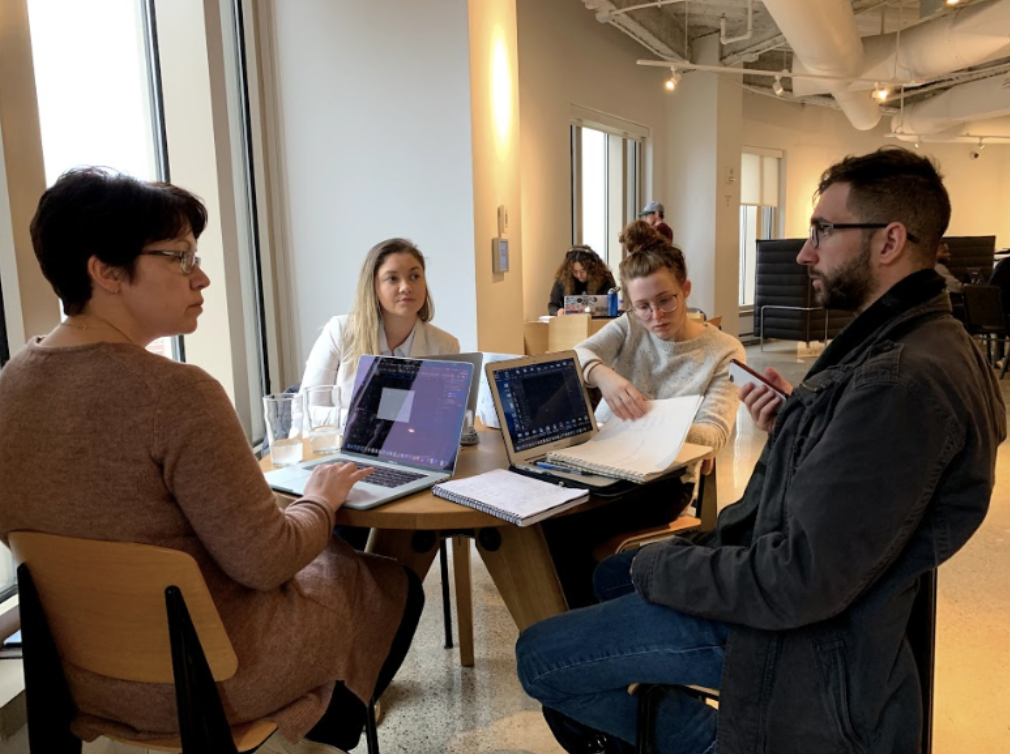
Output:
x=105 y=440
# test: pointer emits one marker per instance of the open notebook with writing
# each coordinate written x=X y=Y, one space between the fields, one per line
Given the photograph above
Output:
x=514 y=498
x=641 y=449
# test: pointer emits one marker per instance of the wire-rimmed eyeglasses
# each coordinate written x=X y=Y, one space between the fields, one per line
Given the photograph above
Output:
x=666 y=303
x=188 y=260
x=824 y=228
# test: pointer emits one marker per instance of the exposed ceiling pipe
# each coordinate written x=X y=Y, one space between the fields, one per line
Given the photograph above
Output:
x=996 y=130
x=743 y=37
x=825 y=40
x=966 y=37
x=616 y=17
x=979 y=100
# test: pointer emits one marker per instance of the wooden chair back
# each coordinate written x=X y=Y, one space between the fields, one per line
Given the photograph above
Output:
x=105 y=605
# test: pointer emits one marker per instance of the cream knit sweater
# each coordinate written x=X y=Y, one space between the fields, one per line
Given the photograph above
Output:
x=662 y=369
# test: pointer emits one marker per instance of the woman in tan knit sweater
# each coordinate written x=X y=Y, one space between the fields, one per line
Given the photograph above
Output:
x=105 y=440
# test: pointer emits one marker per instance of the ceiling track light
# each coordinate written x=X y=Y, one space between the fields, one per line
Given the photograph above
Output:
x=981 y=143
x=777 y=86
x=671 y=83
x=880 y=93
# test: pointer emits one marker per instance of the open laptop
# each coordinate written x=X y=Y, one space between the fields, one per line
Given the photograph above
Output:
x=477 y=359
x=404 y=421
x=542 y=405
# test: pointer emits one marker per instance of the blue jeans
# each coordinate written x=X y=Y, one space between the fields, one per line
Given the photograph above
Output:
x=581 y=663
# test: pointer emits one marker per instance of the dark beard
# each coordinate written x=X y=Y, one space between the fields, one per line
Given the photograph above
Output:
x=849 y=286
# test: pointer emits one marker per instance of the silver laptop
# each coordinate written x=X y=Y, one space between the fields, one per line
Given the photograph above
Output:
x=542 y=405
x=404 y=421
x=477 y=359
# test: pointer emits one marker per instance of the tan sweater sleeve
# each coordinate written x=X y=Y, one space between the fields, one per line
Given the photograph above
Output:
x=211 y=471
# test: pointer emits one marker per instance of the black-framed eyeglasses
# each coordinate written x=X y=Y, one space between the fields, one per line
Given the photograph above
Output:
x=823 y=228
x=188 y=260
x=646 y=311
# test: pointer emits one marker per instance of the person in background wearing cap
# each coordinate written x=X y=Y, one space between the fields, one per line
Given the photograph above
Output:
x=653 y=213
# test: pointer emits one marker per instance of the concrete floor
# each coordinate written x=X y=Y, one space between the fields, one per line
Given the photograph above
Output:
x=436 y=706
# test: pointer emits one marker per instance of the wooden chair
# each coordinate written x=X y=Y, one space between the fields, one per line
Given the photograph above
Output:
x=128 y=611
x=921 y=635
x=707 y=508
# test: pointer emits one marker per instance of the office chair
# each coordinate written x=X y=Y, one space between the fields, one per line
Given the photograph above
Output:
x=133 y=612
x=985 y=319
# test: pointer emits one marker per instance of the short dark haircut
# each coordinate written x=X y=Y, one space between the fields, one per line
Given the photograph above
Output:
x=895 y=184
x=100 y=212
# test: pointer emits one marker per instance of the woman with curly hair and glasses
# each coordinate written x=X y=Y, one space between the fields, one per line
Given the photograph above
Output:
x=582 y=273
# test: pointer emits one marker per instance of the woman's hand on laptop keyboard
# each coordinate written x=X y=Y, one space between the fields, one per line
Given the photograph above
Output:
x=333 y=482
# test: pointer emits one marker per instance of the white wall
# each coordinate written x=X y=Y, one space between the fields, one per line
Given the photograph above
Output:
x=814 y=138
x=566 y=57
x=372 y=101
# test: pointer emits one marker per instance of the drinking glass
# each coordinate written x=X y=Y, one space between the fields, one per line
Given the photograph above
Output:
x=322 y=418
x=283 y=432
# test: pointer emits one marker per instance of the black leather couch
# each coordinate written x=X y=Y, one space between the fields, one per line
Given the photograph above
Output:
x=969 y=253
x=784 y=303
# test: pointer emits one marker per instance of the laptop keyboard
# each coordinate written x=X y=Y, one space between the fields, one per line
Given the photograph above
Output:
x=383 y=476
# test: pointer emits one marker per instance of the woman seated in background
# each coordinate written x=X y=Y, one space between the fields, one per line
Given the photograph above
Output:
x=582 y=273
x=391 y=316
x=653 y=351
x=105 y=440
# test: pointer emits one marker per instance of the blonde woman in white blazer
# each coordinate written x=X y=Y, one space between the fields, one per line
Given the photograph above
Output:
x=391 y=316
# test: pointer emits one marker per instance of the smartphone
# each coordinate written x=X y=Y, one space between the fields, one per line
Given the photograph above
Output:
x=741 y=374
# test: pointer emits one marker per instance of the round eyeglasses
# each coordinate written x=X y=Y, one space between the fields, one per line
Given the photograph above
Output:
x=188 y=260
x=666 y=303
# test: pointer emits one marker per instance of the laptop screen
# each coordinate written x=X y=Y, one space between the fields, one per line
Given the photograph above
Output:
x=408 y=411
x=542 y=403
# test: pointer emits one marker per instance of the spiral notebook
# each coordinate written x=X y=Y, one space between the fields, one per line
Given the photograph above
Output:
x=511 y=497
x=642 y=449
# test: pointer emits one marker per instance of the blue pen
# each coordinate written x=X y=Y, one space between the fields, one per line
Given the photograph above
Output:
x=566 y=469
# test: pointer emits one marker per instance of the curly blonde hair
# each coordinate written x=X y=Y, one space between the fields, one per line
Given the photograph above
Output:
x=599 y=274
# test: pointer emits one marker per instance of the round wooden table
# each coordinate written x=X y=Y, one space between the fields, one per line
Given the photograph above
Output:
x=517 y=558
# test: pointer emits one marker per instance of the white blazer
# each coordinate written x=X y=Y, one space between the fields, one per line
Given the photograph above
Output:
x=328 y=363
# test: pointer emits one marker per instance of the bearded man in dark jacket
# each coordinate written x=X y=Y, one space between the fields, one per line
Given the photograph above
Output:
x=879 y=466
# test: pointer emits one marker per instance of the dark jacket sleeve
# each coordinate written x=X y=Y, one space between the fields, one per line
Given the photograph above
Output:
x=852 y=504
x=557 y=298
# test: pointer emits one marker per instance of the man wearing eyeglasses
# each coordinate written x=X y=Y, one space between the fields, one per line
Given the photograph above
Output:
x=879 y=466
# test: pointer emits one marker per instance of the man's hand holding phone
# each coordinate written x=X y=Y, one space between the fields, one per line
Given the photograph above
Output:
x=762 y=394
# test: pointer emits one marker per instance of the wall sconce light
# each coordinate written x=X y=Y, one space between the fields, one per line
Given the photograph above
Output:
x=671 y=83
x=880 y=93
x=777 y=86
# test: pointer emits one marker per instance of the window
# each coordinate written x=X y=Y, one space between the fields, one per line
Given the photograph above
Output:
x=97 y=94
x=759 y=211
x=606 y=182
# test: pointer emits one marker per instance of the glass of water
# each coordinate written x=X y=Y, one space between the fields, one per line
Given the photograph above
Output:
x=284 y=432
x=322 y=418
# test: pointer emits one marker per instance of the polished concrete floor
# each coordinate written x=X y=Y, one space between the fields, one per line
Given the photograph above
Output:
x=437 y=706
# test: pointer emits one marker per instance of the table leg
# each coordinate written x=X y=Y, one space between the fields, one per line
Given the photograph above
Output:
x=403 y=545
x=464 y=599
x=520 y=565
